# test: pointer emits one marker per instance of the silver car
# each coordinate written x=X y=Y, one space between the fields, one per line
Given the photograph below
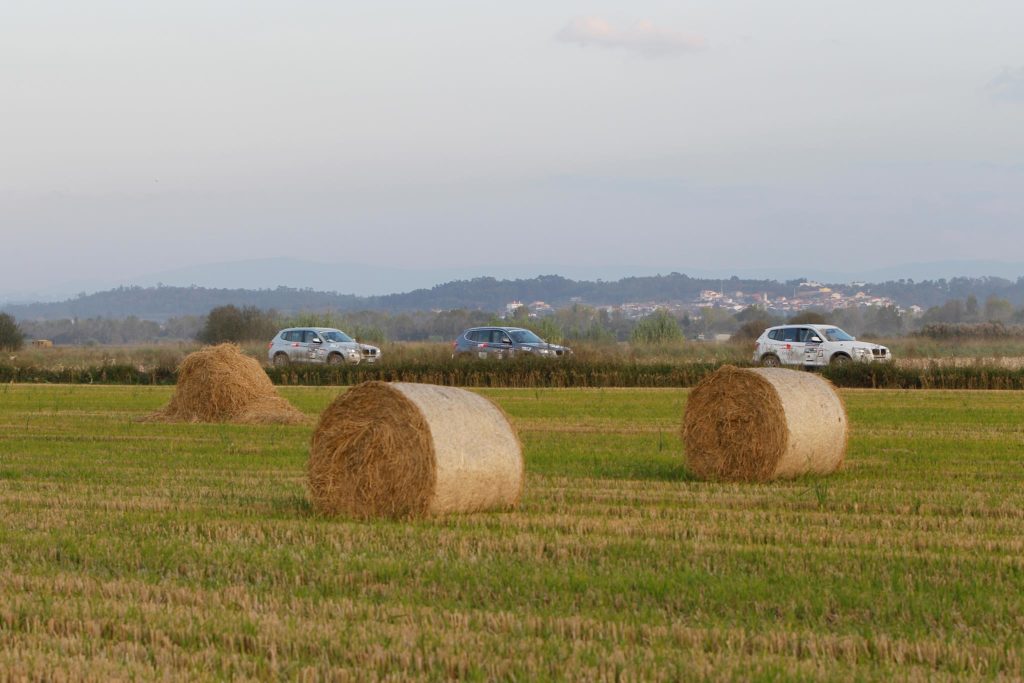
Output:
x=504 y=342
x=318 y=345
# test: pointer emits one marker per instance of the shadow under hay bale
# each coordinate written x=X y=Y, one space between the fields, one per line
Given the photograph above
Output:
x=221 y=384
x=412 y=450
x=763 y=423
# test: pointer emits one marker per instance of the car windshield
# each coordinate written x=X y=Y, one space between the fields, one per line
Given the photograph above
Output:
x=835 y=334
x=336 y=336
x=525 y=337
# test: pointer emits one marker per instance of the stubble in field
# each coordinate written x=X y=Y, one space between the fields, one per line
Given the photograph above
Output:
x=190 y=551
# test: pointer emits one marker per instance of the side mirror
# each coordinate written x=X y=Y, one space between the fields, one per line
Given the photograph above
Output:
x=318 y=340
x=816 y=339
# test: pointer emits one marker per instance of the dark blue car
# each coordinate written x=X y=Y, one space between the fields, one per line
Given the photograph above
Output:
x=504 y=342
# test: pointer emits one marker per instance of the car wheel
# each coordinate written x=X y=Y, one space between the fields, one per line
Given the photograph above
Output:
x=280 y=360
x=839 y=360
x=335 y=359
x=770 y=361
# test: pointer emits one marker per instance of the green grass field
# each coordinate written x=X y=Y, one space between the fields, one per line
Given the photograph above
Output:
x=141 y=551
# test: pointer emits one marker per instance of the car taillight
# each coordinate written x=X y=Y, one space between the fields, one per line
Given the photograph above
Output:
x=455 y=343
x=270 y=345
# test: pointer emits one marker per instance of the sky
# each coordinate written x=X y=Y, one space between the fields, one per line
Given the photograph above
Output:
x=140 y=137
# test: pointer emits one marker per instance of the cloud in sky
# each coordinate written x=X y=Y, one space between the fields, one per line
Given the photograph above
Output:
x=643 y=37
x=1008 y=86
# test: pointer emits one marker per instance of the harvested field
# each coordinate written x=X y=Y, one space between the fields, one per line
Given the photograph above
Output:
x=149 y=551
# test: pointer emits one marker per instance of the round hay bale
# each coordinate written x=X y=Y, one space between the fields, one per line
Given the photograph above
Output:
x=412 y=450
x=763 y=423
x=221 y=384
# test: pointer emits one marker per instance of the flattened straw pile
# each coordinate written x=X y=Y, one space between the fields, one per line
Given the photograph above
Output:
x=412 y=450
x=764 y=423
x=221 y=384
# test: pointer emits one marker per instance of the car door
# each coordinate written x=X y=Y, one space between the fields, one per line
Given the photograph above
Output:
x=775 y=344
x=313 y=345
x=293 y=346
x=792 y=350
x=480 y=339
x=502 y=343
x=814 y=354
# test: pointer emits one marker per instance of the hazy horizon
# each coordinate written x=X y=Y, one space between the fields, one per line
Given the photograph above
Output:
x=799 y=137
x=270 y=273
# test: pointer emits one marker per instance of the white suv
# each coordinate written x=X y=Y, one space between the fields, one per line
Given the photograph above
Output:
x=814 y=345
x=318 y=345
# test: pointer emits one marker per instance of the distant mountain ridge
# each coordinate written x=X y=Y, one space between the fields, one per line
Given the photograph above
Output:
x=366 y=280
x=485 y=293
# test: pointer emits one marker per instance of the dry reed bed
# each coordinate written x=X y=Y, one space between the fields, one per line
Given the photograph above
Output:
x=1009 y=363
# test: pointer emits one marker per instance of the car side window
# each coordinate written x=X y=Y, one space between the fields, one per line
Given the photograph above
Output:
x=292 y=336
x=790 y=334
x=775 y=335
x=805 y=334
x=309 y=336
x=504 y=338
x=810 y=335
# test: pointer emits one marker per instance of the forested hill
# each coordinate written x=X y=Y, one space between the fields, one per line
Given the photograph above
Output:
x=160 y=303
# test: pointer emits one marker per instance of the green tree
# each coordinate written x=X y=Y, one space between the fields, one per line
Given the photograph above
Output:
x=11 y=336
x=520 y=316
x=885 y=321
x=971 y=312
x=808 y=318
x=548 y=329
x=997 y=310
x=232 y=324
x=579 y=322
x=752 y=329
x=952 y=311
x=716 y=320
x=658 y=328
x=754 y=321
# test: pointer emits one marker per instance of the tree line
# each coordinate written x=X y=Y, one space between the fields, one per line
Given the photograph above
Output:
x=163 y=303
x=575 y=323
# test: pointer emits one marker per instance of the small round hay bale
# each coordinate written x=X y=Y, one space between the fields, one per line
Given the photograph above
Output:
x=412 y=450
x=221 y=384
x=763 y=423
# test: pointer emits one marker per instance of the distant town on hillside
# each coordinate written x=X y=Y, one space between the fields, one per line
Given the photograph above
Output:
x=630 y=297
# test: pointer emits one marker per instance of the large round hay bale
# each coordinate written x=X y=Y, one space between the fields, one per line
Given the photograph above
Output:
x=222 y=384
x=410 y=450
x=763 y=423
